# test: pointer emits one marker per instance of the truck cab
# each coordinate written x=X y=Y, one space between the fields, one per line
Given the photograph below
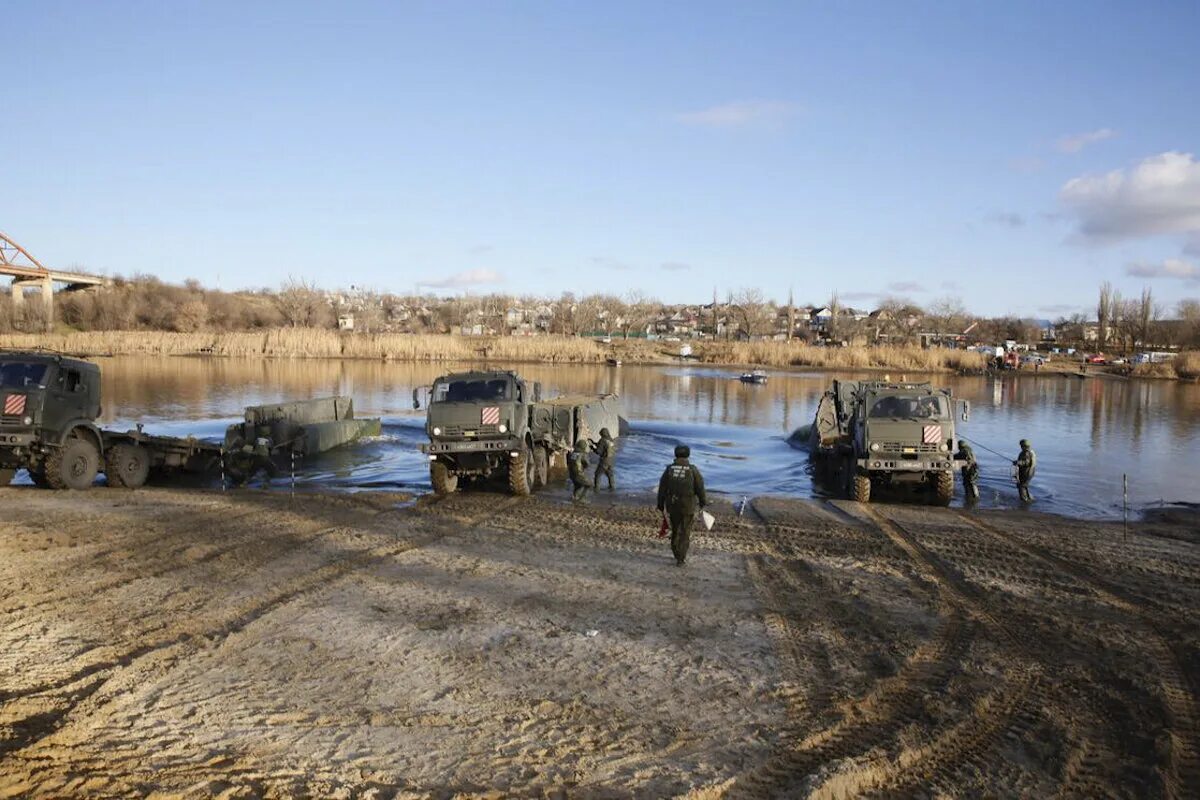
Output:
x=48 y=418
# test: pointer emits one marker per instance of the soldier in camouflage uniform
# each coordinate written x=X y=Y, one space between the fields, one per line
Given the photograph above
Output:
x=680 y=489
x=1026 y=465
x=606 y=448
x=970 y=472
x=577 y=467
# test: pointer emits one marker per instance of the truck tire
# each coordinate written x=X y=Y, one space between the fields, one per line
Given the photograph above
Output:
x=127 y=465
x=72 y=466
x=943 y=488
x=858 y=487
x=443 y=482
x=541 y=467
x=6 y=476
x=520 y=474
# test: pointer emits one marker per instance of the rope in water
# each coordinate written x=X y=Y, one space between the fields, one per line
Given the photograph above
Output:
x=985 y=447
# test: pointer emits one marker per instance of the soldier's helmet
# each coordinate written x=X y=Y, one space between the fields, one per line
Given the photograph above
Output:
x=604 y=434
x=682 y=451
x=1025 y=444
x=965 y=449
x=581 y=446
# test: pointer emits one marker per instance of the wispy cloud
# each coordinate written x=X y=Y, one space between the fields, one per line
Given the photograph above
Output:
x=480 y=249
x=1026 y=164
x=857 y=295
x=1160 y=195
x=1061 y=308
x=1175 y=268
x=739 y=114
x=462 y=280
x=1076 y=142
x=610 y=264
x=905 y=286
x=1008 y=219
x=675 y=266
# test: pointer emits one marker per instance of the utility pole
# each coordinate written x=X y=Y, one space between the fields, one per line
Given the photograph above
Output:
x=791 y=315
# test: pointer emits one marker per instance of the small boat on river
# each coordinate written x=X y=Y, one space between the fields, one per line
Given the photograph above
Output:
x=754 y=376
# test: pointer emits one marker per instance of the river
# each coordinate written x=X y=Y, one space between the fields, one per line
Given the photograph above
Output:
x=1088 y=433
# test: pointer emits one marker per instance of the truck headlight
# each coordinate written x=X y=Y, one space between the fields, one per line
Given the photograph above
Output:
x=437 y=431
x=945 y=445
x=874 y=447
x=27 y=421
x=503 y=428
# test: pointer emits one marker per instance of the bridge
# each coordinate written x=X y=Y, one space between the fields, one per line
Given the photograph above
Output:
x=28 y=273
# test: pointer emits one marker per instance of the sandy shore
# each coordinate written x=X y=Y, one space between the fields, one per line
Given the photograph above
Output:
x=248 y=644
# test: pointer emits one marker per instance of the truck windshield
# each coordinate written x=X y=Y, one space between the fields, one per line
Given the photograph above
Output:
x=14 y=375
x=472 y=391
x=924 y=407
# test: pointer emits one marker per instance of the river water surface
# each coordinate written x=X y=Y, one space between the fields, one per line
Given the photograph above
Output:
x=1088 y=433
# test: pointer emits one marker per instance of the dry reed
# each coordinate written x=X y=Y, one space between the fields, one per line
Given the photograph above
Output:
x=1187 y=365
x=320 y=343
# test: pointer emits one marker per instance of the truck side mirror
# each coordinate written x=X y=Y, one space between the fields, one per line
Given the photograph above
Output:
x=416 y=398
x=537 y=392
x=966 y=410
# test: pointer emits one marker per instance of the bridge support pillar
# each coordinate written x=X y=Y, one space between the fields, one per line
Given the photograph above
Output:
x=43 y=285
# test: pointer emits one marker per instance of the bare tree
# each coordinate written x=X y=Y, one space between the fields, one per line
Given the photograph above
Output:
x=1104 y=310
x=947 y=315
x=639 y=311
x=301 y=303
x=754 y=314
x=1189 y=314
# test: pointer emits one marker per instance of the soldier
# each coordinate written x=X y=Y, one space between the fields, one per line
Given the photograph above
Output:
x=679 y=489
x=606 y=448
x=261 y=456
x=970 y=472
x=577 y=466
x=1026 y=465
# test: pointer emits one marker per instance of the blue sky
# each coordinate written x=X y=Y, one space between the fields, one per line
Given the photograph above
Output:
x=1012 y=154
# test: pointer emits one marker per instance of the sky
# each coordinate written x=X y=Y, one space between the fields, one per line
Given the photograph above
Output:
x=1014 y=155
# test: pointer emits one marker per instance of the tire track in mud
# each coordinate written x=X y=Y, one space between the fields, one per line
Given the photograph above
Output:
x=863 y=722
x=1169 y=658
x=51 y=705
x=1009 y=710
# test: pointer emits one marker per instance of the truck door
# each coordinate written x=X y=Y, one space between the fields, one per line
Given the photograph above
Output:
x=68 y=395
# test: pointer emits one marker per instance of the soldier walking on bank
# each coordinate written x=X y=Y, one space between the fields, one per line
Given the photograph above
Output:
x=680 y=489
x=577 y=467
x=1026 y=465
x=606 y=449
x=970 y=472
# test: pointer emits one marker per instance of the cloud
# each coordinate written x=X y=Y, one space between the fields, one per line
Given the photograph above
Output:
x=1006 y=218
x=461 y=280
x=480 y=249
x=739 y=114
x=676 y=266
x=610 y=264
x=1171 y=268
x=905 y=286
x=951 y=286
x=1192 y=246
x=857 y=295
x=1161 y=195
x=1061 y=308
x=1026 y=164
x=1075 y=143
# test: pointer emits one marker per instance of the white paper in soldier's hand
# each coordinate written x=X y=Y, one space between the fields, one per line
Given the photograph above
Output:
x=708 y=520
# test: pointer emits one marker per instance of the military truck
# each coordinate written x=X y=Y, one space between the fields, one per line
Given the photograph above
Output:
x=494 y=424
x=48 y=426
x=882 y=434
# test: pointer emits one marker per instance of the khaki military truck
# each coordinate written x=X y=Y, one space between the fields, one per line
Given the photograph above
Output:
x=494 y=424
x=48 y=426
x=879 y=434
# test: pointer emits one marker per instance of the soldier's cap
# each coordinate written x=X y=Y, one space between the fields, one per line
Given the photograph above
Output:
x=963 y=447
x=581 y=446
x=604 y=434
x=682 y=451
x=1024 y=443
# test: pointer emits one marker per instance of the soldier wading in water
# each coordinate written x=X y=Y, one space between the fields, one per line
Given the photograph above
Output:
x=577 y=465
x=680 y=489
x=1026 y=465
x=606 y=449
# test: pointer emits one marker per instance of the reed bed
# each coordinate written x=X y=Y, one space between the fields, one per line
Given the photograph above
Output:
x=1187 y=365
x=794 y=354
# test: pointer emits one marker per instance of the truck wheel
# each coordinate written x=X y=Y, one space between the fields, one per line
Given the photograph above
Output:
x=72 y=466
x=943 y=488
x=127 y=465
x=859 y=488
x=541 y=467
x=6 y=476
x=520 y=473
x=443 y=481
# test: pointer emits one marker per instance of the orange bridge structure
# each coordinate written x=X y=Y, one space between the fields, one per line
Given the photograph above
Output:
x=28 y=273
